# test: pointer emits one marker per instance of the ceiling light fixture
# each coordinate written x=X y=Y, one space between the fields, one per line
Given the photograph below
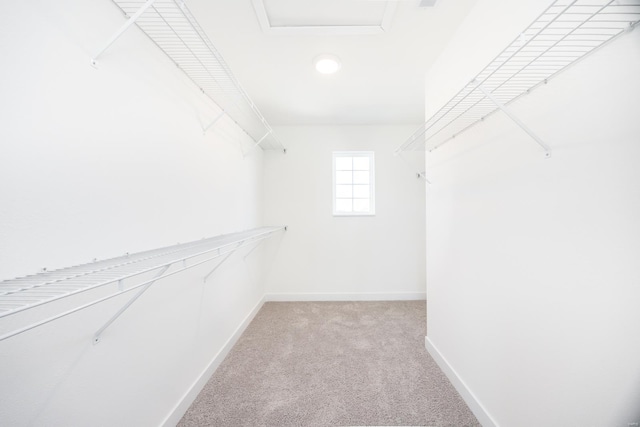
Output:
x=327 y=64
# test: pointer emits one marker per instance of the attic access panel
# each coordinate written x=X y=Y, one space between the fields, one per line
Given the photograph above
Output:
x=284 y=13
x=327 y=17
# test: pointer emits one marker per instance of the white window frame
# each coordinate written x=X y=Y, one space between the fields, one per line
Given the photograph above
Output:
x=372 y=192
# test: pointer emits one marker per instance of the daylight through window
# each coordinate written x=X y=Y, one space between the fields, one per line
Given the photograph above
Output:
x=353 y=183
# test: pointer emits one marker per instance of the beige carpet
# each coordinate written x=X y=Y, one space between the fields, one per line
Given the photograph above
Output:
x=331 y=364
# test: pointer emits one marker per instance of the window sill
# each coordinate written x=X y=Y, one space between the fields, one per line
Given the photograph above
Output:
x=341 y=214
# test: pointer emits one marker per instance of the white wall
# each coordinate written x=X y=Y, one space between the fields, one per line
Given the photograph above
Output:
x=532 y=263
x=95 y=163
x=326 y=257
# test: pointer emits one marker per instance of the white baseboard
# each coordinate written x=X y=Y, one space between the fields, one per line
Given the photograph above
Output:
x=467 y=395
x=181 y=408
x=376 y=296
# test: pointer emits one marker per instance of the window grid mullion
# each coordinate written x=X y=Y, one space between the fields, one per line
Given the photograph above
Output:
x=353 y=189
x=352 y=157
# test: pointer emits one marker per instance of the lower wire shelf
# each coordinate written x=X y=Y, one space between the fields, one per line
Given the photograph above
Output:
x=103 y=280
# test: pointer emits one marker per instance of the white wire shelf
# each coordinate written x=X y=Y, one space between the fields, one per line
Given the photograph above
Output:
x=564 y=33
x=172 y=27
x=116 y=276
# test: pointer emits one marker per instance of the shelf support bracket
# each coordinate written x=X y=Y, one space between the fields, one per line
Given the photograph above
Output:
x=258 y=142
x=419 y=175
x=252 y=249
x=218 y=117
x=122 y=30
x=423 y=175
x=516 y=120
x=222 y=262
x=97 y=336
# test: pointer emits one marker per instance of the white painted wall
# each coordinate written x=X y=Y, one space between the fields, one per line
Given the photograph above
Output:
x=327 y=257
x=533 y=274
x=95 y=163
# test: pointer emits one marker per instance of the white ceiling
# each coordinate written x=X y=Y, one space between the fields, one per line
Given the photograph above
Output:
x=382 y=75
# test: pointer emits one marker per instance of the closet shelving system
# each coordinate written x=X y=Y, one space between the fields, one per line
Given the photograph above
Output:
x=60 y=293
x=564 y=33
x=172 y=27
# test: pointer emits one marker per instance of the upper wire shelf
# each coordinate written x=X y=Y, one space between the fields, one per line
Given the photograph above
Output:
x=172 y=27
x=564 y=33
x=115 y=277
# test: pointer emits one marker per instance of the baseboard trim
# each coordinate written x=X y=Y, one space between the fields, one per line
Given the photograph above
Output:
x=467 y=395
x=375 y=296
x=180 y=409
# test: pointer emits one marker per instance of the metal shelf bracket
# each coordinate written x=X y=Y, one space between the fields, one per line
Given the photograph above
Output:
x=244 y=258
x=206 y=277
x=419 y=175
x=97 y=336
x=258 y=143
x=423 y=175
x=218 y=117
x=132 y=20
x=514 y=118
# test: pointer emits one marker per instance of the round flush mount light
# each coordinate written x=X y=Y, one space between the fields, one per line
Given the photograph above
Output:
x=327 y=64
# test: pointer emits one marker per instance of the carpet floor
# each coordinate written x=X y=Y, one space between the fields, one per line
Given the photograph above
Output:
x=331 y=364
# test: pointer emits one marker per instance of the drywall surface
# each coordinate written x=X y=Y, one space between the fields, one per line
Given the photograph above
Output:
x=532 y=264
x=329 y=257
x=95 y=163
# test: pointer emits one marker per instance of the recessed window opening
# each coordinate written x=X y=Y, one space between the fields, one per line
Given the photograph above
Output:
x=353 y=183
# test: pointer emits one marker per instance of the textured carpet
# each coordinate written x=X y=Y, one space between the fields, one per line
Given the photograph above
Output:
x=331 y=364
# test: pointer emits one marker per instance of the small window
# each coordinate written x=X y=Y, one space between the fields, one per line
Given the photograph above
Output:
x=353 y=183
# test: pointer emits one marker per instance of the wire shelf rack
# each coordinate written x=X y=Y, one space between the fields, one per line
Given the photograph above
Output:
x=173 y=28
x=116 y=276
x=564 y=33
